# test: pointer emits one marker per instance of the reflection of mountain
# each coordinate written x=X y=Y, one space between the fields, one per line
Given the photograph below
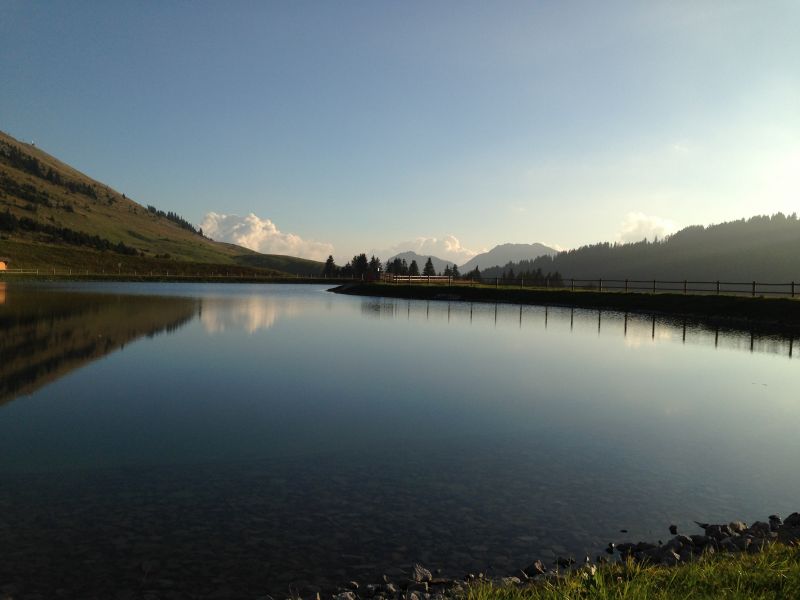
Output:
x=45 y=335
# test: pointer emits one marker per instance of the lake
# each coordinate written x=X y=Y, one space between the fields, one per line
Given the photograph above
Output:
x=204 y=440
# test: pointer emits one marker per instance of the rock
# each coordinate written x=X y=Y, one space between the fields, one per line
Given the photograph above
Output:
x=673 y=529
x=670 y=558
x=700 y=541
x=728 y=545
x=742 y=542
x=353 y=585
x=793 y=520
x=391 y=588
x=759 y=529
x=418 y=586
x=510 y=580
x=345 y=596
x=775 y=522
x=565 y=563
x=420 y=573
x=737 y=527
x=535 y=568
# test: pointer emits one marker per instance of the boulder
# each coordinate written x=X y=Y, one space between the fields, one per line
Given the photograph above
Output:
x=420 y=574
x=535 y=568
x=793 y=520
x=737 y=527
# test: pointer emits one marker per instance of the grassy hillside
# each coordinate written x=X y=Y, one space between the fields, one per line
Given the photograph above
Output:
x=51 y=214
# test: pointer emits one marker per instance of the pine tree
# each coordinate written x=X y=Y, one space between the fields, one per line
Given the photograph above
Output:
x=330 y=267
x=413 y=269
x=428 y=269
x=454 y=271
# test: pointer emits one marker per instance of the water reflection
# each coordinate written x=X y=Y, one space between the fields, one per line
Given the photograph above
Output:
x=287 y=439
x=636 y=329
x=45 y=336
x=250 y=313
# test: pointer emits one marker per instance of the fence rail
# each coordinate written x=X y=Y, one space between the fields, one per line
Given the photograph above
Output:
x=653 y=286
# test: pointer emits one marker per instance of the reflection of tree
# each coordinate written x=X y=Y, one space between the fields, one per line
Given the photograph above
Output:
x=45 y=335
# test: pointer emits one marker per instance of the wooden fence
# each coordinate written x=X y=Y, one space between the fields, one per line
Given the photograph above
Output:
x=653 y=286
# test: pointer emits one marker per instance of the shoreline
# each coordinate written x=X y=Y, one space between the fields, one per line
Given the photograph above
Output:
x=716 y=546
x=769 y=315
x=61 y=278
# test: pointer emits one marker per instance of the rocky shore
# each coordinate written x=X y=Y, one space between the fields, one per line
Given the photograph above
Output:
x=682 y=548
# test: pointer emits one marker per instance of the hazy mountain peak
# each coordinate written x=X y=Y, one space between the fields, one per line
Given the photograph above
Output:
x=505 y=253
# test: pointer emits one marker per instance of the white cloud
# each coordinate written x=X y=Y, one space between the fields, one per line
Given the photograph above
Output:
x=250 y=314
x=262 y=235
x=448 y=248
x=638 y=226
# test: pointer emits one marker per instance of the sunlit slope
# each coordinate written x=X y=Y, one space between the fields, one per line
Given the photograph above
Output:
x=35 y=186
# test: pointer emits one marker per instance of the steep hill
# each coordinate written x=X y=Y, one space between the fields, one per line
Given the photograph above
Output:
x=54 y=215
x=762 y=248
x=506 y=253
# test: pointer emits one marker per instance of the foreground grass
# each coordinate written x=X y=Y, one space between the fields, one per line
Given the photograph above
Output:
x=773 y=573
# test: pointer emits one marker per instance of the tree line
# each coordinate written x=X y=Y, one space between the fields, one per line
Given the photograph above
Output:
x=762 y=248
x=175 y=218
x=12 y=223
x=18 y=159
x=371 y=268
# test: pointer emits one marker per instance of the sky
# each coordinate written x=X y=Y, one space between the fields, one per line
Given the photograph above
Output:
x=445 y=127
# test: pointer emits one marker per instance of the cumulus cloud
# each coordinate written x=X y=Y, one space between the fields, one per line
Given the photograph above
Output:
x=448 y=248
x=251 y=314
x=261 y=235
x=638 y=226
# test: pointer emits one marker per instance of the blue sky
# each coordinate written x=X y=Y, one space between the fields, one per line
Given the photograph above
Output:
x=448 y=127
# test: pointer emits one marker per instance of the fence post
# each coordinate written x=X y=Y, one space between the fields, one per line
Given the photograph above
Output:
x=684 y=286
x=717 y=288
x=496 y=282
x=521 y=283
x=573 y=284
x=793 y=289
x=754 y=288
x=626 y=285
x=601 y=284
x=654 y=286
x=429 y=279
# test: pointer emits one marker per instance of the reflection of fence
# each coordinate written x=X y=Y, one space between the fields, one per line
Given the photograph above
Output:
x=653 y=286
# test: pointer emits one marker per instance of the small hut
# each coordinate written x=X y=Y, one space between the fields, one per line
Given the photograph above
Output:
x=4 y=262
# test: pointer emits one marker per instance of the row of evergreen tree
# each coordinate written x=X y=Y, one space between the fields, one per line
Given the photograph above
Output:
x=762 y=248
x=371 y=268
x=14 y=157
x=175 y=218
x=12 y=223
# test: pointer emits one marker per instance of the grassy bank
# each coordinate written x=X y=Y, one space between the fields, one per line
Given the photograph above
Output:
x=778 y=314
x=773 y=573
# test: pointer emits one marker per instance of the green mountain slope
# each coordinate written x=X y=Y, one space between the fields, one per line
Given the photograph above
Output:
x=54 y=215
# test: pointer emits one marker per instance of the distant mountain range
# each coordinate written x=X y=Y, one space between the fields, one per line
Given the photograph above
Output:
x=52 y=215
x=506 y=253
x=497 y=256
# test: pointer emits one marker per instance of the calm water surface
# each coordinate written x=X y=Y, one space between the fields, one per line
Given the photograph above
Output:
x=190 y=441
